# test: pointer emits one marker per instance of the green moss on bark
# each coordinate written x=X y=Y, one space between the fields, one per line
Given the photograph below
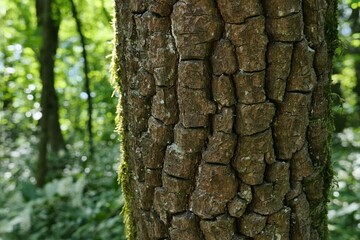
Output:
x=332 y=40
x=331 y=27
x=124 y=174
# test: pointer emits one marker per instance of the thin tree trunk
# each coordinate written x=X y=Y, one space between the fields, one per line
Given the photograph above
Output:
x=87 y=79
x=50 y=132
x=355 y=28
x=225 y=117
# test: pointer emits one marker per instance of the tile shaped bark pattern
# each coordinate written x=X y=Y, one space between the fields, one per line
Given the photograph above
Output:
x=281 y=8
x=138 y=119
x=285 y=29
x=224 y=120
x=184 y=226
x=245 y=192
x=236 y=11
x=225 y=112
x=293 y=113
x=321 y=61
x=220 y=148
x=302 y=76
x=180 y=164
x=250 y=40
x=312 y=184
x=320 y=105
x=250 y=87
x=193 y=77
x=222 y=228
x=159 y=55
x=144 y=82
x=278 y=69
x=296 y=188
x=253 y=152
x=161 y=7
x=254 y=118
x=314 y=17
x=237 y=207
x=223 y=59
x=281 y=222
x=251 y=224
x=300 y=216
x=318 y=133
x=164 y=105
x=137 y=6
x=215 y=186
x=268 y=198
x=159 y=132
x=153 y=177
x=194 y=113
x=223 y=90
x=189 y=140
x=164 y=76
x=301 y=164
x=195 y=24
x=176 y=185
x=193 y=74
x=155 y=228
x=167 y=202
x=266 y=201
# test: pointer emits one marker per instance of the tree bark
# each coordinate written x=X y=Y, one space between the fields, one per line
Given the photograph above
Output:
x=225 y=117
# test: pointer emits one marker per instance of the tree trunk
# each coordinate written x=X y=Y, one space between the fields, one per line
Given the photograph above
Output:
x=355 y=29
x=225 y=117
x=49 y=21
x=50 y=132
x=87 y=79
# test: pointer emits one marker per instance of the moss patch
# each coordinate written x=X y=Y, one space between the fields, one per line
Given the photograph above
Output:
x=124 y=174
x=332 y=40
x=331 y=27
x=125 y=180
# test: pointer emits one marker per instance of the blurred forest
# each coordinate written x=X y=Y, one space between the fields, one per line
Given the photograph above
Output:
x=70 y=191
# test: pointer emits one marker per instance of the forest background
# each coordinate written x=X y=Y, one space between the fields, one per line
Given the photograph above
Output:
x=81 y=198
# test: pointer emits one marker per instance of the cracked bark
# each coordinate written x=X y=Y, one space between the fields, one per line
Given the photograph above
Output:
x=225 y=118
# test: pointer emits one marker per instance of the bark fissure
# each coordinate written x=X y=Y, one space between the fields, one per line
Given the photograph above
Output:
x=227 y=116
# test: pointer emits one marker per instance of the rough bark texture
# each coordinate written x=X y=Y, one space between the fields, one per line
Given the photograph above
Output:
x=226 y=127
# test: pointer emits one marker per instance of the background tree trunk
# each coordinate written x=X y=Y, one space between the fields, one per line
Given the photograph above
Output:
x=87 y=79
x=226 y=127
x=50 y=132
x=49 y=22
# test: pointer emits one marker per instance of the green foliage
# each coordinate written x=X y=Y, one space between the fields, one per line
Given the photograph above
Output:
x=344 y=210
x=82 y=199
x=82 y=204
x=19 y=88
x=19 y=70
x=346 y=64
